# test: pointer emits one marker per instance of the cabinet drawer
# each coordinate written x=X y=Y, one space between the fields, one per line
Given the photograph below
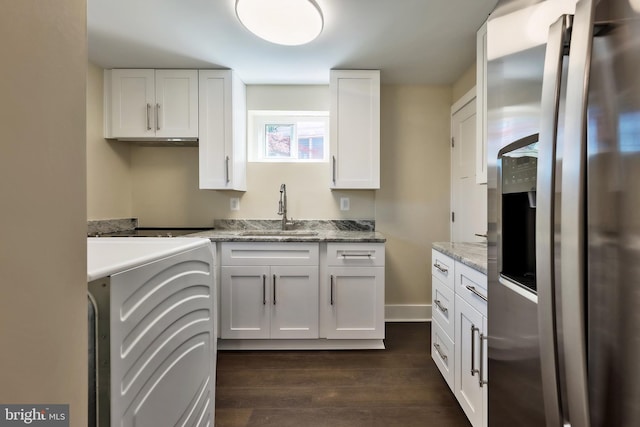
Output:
x=442 y=267
x=256 y=253
x=443 y=299
x=355 y=254
x=442 y=353
x=471 y=285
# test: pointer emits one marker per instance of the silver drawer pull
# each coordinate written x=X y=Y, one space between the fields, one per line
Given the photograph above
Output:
x=441 y=307
x=440 y=353
x=367 y=255
x=474 y=291
x=441 y=268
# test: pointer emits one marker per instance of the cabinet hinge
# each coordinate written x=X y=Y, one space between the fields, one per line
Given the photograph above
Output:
x=453 y=142
x=453 y=217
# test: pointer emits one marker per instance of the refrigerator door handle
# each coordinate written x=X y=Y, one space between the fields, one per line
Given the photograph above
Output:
x=545 y=214
x=573 y=246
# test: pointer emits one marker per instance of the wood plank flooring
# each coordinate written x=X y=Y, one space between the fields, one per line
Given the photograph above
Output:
x=396 y=387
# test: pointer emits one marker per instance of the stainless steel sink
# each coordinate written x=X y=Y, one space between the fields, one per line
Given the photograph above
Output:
x=276 y=233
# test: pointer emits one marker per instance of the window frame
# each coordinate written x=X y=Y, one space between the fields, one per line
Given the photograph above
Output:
x=257 y=120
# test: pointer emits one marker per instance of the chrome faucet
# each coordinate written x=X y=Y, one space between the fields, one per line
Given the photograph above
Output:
x=282 y=206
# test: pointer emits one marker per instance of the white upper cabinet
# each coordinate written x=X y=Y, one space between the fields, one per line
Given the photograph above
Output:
x=151 y=104
x=355 y=129
x=223 y=131
x=481 y=105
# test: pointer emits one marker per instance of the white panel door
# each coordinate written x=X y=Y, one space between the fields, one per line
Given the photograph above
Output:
x=469 y=325
x=468 y=199
x=294 y=302
x=176 y=108
x=132 y=103
x=356 y=302
x=245 y=302
x=162 y=342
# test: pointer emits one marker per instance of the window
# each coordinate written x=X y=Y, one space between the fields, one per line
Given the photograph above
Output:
x=288 y=136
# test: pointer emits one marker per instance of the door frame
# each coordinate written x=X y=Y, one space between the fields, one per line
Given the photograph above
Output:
x=462 y=102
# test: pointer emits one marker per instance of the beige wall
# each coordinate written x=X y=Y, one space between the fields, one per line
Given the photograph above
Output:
x=165 y=179
x=43 y=286
x=412 y=207
x=108 y=162
x=465 y=83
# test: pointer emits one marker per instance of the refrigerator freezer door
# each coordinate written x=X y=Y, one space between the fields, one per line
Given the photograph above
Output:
x=613 y=226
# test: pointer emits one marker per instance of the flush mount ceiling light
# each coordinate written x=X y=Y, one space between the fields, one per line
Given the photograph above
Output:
x=286 y=22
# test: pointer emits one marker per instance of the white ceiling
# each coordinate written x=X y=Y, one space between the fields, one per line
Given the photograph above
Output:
x=410 y=41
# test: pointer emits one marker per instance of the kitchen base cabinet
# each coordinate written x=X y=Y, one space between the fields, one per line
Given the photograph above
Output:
x=353 y=304
x=471 y=362
x=355 y=309
x=301 y=296
x=269 y=302
x=276 y=300
x=459 y=333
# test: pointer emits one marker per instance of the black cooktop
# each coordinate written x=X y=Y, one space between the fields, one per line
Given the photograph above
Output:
x=155 y=232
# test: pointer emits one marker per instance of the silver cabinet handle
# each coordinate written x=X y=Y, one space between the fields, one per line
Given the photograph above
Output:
x=441 y=307
x=443 y=356
x=274 y=289
x=331 y=290
x=474 y=291
x=481 y=380
x=345 y=256
x=441 y=268
x=333 y=169
x=473 y=349
x=226 y=169
x=264 y=289
x=148 y=117
x=157 y=116
x=481 y=235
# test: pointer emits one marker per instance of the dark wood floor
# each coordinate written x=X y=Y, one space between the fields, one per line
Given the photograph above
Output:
x=399 y=386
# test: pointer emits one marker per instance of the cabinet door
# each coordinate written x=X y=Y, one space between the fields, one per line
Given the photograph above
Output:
x=469 y=391
x=162 y=342
x=222 y=130
x=355 y=129
x=294 y=302
x=132 y=104
x=176 y=107
x=245 y=302
x=356 y=302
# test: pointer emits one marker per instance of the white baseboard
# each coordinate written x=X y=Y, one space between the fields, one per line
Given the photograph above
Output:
x=407 y=312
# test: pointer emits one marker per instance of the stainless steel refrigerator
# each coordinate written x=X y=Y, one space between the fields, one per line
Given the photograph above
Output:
x=563 y=132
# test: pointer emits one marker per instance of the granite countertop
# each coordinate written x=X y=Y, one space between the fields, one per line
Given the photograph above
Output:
x=256 y=230
x=471 y=254
x=292 y=236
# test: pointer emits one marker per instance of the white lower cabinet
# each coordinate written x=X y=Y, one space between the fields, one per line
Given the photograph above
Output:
x=459 y=333
x=298 y=295
x=269 y=291
x=471 y=362
x=354 y=304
